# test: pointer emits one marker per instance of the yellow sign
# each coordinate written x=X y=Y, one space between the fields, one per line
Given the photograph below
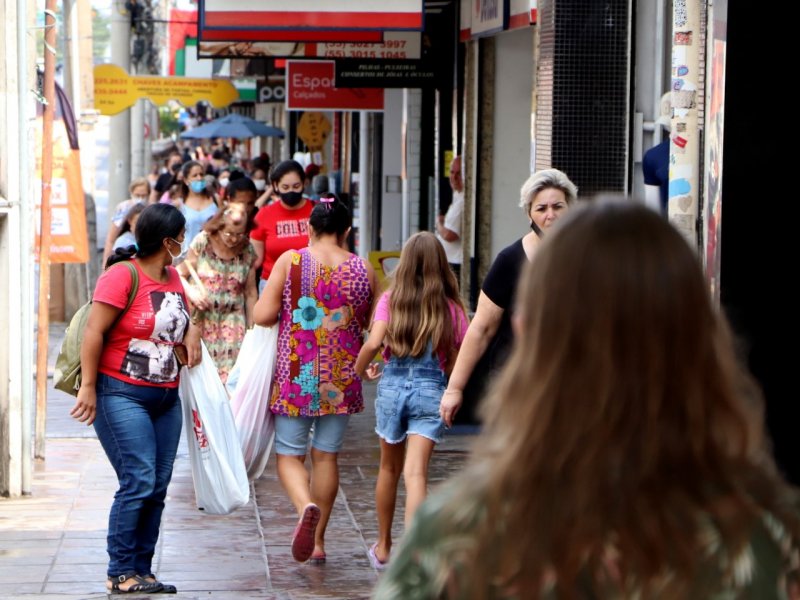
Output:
x=448 y=160
x=115 y=90
x=384 y=262
x=313 y=129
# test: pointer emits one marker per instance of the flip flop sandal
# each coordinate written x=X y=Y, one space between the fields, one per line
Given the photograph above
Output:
x=377 y=563
x=140 y=587
x=167 y=588
x=317 y=559
x=303 y=536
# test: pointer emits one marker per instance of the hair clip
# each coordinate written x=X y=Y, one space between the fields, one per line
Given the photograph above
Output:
x=327 y=200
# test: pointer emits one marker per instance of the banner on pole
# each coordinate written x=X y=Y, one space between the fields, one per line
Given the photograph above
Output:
x=69 y=241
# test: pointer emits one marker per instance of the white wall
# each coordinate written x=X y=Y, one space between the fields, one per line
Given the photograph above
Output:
x=512 y=134
x=391 y=215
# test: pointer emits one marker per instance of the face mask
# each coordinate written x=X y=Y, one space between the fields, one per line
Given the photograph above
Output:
x=261 y=184
x=198 y=186
x=224 y=181
x=291 y=198
x=173 y=256
x=139 y=198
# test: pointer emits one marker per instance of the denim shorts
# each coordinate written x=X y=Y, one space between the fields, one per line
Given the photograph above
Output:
x=292 y=433
x=408 y=404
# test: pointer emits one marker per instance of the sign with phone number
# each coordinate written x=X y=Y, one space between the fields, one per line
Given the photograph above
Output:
x=400 y=45
x=396 y=45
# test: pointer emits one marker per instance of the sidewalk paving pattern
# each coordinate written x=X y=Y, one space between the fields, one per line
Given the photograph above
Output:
x=52 y=543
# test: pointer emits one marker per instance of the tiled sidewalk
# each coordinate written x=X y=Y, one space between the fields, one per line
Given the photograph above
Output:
x=52 y=543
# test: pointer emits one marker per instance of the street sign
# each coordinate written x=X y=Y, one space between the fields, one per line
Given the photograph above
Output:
x=434 y=68
x=311 y=87
x=401 y=45
x=349 y=15
x=271 y=92
x=484 y=17
x=115 y=90
x=286 y=35
x=385 y=73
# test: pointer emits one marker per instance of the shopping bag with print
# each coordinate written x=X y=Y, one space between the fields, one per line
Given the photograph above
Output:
x=250 y=399
x=220 y=478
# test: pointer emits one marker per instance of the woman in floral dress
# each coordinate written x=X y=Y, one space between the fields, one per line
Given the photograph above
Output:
x=321 y=296
x=225 y=292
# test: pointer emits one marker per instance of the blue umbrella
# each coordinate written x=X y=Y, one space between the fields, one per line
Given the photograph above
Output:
x=232 y=126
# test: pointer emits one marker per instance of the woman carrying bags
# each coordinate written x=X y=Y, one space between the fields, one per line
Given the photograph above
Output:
x=129 y=389
x=321 y=298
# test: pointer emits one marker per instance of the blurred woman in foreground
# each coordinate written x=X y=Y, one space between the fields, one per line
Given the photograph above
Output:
x=624 y=454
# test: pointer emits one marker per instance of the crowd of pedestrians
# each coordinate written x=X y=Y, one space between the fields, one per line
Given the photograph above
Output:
x=623 y=452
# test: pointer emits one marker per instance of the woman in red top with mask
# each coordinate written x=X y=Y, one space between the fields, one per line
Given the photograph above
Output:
x=282 y=225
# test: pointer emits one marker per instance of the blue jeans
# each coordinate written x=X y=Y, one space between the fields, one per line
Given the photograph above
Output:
x=292 y=433
x=139 y=427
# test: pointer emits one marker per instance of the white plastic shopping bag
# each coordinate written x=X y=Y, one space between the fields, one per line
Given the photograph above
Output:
x=250 y=399
x=220 y=478
x=247 y=347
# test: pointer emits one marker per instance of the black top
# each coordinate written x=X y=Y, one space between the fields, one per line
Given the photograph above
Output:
x=500 y=286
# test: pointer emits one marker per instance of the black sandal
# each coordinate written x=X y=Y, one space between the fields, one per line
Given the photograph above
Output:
x=166 y=588
x=140 y=587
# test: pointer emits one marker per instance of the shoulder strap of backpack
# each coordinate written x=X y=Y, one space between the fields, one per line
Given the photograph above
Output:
x=132 y=294
x=134 y=285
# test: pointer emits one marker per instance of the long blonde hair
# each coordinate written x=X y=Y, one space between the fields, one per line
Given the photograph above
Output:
x=421 y=288
x=621 y=426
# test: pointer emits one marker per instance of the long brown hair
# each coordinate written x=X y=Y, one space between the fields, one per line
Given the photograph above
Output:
x=621 y=426
x=421 y=286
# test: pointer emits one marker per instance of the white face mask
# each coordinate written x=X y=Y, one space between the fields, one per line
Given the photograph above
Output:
x=223 y=181
x=174 y=257
x=261 y=184
x=139 y=198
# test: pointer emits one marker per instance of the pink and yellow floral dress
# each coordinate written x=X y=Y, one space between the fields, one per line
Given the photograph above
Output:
x=225 y=279
x=323 y=314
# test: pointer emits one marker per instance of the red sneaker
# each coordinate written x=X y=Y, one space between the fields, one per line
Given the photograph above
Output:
x=303 y=536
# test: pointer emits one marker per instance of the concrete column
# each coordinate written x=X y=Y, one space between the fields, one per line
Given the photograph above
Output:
x=364 y=186
x=138 y=163
x=16 y=234
x=412 y=101
x=486 y=125
x=468 y=166
x=147 y=142
x=120 y=125
x=684 y=148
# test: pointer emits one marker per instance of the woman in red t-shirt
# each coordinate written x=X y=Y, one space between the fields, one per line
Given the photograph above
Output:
x=129 y=388
x=282 y=225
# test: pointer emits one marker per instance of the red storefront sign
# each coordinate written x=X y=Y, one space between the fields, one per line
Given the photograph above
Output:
x=311 y=86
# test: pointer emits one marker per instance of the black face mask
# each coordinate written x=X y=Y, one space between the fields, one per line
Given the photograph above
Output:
x=291 y=198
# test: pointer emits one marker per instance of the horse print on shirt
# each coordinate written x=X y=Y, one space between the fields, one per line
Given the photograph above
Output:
x=153 y=360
